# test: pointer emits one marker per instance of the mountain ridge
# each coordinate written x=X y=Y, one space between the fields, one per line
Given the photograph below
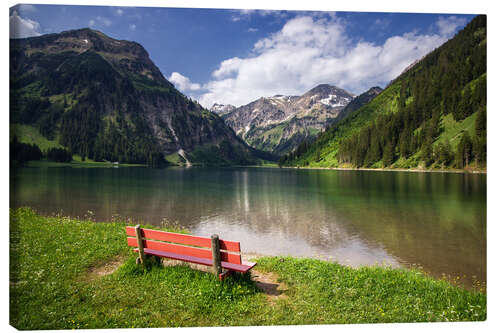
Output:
x=105 y=99
x=279 y=123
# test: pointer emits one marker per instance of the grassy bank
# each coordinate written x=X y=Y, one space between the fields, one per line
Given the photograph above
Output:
x=62 y=276
x=349 y=168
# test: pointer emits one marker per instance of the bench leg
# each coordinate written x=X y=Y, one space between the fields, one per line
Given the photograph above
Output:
x=224 y=275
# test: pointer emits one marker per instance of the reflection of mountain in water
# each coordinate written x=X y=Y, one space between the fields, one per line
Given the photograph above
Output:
x=274 y=220
x=434 y=220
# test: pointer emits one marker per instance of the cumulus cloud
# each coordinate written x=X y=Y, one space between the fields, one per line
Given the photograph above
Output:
x=132 y=27
x=22 y=27
x=183 y=83
x=449 y=25
x=315 y=49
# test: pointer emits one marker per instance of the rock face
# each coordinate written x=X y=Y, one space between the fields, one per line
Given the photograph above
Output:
x=280 y=123
x=222 y=109
x=105 y=99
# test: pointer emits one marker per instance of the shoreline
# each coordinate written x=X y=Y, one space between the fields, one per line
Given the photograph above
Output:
x=387 y=169
x=88 y=278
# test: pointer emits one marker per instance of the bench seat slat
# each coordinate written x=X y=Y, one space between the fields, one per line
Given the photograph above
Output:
x=174 y=248
x=185 y=250
x=238 y=268
x=201 y=261
x=184 y=239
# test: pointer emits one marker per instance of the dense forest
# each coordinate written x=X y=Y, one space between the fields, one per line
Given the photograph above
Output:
x=411 y=122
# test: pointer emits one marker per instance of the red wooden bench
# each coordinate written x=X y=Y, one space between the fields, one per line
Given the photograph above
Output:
x=221 y=254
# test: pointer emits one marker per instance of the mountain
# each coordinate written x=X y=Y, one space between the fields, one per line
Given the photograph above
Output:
x=222 y=109
x=432 y=116
x=104 y=99
x=278 y=124
x=358 y=102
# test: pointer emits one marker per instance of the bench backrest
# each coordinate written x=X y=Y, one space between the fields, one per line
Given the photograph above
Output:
x=185 y=244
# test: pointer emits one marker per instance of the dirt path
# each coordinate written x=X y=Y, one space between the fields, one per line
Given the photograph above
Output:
x=265 y=281
x=105 y=268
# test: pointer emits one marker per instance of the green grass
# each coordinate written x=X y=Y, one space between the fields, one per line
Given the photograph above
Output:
x=266 y=139
x=30 y=135
x=174 y=158
x=267 y=164
x=52 y=286
x=33 y=89
x=452 y=129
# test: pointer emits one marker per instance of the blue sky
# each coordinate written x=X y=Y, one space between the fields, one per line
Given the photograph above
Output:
x=236 y=56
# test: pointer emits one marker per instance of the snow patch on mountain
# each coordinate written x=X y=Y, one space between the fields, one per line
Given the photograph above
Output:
x=222 y=108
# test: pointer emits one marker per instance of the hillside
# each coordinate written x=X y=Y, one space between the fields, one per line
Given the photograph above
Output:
x=104 y=99
x=358 y=102
x=432 y=116
x=280 y=123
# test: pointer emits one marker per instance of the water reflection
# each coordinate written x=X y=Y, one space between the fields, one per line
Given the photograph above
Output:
x=437 y=221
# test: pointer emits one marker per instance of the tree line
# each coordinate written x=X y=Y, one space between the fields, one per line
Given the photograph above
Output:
x=23 y=152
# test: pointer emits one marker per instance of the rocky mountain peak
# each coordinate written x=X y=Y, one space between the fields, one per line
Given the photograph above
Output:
x=221 y=109
x=279 y=123
x=374 y=90
x=81 y=40
x=125 y=56
x=328 y=89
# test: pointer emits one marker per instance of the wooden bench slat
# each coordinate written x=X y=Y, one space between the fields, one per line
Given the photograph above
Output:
x=237 y=267
x=201 y=261
x=171 y=237
x=184 y=239
x=168 y=247
x=183 y=257
x=184 y=250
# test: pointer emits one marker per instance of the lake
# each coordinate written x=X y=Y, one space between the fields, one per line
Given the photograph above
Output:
x=436 y=221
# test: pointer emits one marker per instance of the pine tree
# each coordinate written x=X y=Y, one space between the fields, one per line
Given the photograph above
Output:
x=464 y=151
x=388 y=155
x=428 y=152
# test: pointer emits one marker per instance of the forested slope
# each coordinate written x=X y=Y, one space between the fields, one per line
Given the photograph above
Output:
x=104 y=99
x=431 y=116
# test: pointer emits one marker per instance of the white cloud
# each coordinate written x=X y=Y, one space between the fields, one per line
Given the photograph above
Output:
x=252 y=30
x=100 y=21
x=119 y=12
x=381 y=24
x=247 y=13
x=449 y=25
x=26 y=8
x=132 y=27
x=22 y=27
x=310 y=50
x=183 y=83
